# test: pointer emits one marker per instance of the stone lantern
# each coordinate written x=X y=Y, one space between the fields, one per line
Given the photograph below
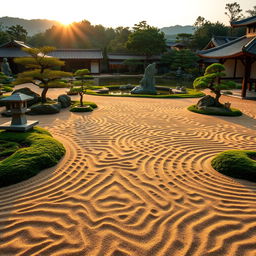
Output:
x=18 y=106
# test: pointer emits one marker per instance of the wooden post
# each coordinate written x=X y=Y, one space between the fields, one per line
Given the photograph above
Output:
x=235 y=67
x=246 y=78
x=250 y=85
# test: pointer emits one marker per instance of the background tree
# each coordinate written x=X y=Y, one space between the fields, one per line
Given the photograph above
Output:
x=184 y=59
x=234 y=12
x=252 y=12
x=184 y=38
x=41 y=69
x=146 y=40
x=133 y=64
x=212 y=80
x=205 y=32
x=78 y=35
x=4 y=37
x=82 y=82
x=17 y=32
x=118 y=44
x=200 y=21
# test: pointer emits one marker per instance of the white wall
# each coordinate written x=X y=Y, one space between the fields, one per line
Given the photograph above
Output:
x=230 y=65
x=95 y=67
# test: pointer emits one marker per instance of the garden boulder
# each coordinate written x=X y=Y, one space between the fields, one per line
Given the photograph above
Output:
x=206 y=101
x=64 y=100
x=45 y=109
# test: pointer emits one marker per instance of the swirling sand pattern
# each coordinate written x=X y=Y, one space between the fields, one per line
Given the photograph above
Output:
x=136 y=180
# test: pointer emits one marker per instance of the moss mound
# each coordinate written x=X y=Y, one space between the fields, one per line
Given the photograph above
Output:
x=88 y=106
x=216 y=111
x=7 y=148
x=41 y=151
x=239 y=164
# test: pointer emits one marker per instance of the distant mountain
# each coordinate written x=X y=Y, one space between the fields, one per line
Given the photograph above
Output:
x=32 y=26
x=172 y=31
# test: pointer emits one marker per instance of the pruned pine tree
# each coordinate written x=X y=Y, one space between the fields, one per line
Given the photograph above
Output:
x=212 y=80
x=41 y=69
x=82 y=82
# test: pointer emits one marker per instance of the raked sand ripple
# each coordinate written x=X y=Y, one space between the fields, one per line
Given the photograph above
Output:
x=136 y=180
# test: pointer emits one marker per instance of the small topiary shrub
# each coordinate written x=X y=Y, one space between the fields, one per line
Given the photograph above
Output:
x=239 y=164
x=41 y=151
x=87 y=106
x=216 y=111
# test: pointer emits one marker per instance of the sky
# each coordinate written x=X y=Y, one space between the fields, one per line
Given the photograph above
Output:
x=114 y=13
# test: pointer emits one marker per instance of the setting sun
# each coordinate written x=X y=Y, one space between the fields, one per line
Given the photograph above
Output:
x=65 y=21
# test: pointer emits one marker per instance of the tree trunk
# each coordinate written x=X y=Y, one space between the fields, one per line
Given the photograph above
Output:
x=43 y=95
x=81 y=99
x=217 y=97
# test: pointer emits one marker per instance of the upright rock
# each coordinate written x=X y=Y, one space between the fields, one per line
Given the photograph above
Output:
x=147 y=83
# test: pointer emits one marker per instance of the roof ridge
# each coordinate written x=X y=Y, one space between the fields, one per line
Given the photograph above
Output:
x=249 y=44
x=222 y=46
x=243 y=22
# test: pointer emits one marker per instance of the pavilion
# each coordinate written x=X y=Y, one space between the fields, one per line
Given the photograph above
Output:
x=238 y=55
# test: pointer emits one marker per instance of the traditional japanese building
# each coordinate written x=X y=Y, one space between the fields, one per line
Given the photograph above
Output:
x=238 y=55
x=218 y=41
x=74 y=58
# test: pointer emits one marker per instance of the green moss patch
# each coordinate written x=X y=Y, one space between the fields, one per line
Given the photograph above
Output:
x=239 y=164
x=88 y=106
x=41 y=151
x=215 y=111
x=7 y=148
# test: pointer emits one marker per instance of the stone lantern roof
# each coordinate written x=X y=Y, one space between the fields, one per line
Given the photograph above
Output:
x=17 y=97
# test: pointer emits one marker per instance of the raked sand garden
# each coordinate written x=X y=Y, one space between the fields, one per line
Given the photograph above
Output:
x=136 y=180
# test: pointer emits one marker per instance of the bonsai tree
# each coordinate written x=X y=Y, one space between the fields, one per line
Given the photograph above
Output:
x=212 y=80
x=82 y=83
x=41 y=69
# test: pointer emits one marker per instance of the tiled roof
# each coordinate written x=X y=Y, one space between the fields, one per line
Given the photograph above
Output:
x=12 y=53
x=234 y=48
x=220 y=40
x=14 y=43
x=76 y=54
x=244 y=22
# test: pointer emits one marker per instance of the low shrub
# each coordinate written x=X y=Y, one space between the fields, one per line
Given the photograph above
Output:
x=87 y=106
x=215 y=111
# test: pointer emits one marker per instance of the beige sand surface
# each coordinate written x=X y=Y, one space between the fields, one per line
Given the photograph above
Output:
x=136 y=180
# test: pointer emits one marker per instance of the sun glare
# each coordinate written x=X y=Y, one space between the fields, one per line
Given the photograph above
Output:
x=66 y=22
